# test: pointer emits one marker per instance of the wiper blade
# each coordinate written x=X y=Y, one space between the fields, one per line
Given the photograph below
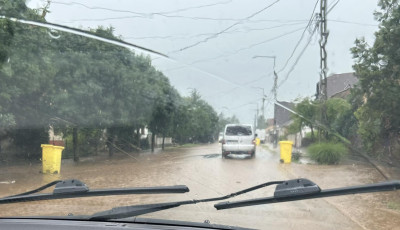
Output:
x=75 y=188
x=135 y=210
x=302 y=189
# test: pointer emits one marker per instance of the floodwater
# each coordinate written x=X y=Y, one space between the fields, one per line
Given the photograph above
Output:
x=206 y=174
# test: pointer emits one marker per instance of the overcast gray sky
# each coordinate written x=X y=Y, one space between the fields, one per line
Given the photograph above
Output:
x=221 y=65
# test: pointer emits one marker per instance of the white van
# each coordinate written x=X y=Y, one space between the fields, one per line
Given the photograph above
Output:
x=238 y=139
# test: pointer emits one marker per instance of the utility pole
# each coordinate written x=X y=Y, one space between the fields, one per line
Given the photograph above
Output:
x=322 y=43
x=323 y=96
x=263 y=100
x=255 y=116
x=275 y=87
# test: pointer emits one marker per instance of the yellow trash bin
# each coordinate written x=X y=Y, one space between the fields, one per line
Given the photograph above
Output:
x=51 y=158
x=286 y=151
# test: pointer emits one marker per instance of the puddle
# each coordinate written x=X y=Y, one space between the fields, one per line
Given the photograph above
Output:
x=213 y=155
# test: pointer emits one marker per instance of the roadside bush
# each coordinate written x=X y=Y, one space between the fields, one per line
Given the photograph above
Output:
x=306 y=141
x=282 y=138
x=296 y=156
x=326 y=152
x=308 y=135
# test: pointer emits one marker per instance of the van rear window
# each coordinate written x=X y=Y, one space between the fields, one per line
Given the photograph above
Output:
x=238 y=131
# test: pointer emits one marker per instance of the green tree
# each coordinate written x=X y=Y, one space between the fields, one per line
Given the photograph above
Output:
x=25 y=57
x=162 y=115
x=306 y=116
x=378 y=70
x=338 y=115
x=195 y=120
x=223 y=121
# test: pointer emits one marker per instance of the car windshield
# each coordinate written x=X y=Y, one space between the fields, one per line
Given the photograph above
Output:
x=144 y=93
x=238 y=131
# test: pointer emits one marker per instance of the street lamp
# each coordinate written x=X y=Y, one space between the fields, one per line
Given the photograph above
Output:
x=275 y=74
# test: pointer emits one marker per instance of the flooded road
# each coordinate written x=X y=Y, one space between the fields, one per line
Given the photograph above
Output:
x=203 y=170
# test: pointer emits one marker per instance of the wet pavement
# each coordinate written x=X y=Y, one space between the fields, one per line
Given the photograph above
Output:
x=203 y=170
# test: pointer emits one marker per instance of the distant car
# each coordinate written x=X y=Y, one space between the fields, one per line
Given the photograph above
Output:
x=238 y=139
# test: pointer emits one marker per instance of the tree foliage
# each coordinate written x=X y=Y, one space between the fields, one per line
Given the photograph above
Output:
x=307 y=113
x=338 y=115
x=195 y=120
x=87 y=88
x=224 y=120
x=378 y=70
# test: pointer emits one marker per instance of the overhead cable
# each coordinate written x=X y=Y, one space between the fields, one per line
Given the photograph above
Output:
x=227 y=28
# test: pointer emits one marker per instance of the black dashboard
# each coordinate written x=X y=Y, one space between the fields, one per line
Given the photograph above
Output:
x=134 y=224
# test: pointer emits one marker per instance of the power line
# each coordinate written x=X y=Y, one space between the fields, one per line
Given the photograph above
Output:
x=268 y=99
x=301 y=37
x=354 y=23
x=163 y=13
x=239 y=50
x=207 y=34
x=227 y=28
x=98 y=8
x=206 y=18
x=232 y=89
x=298 y=57
x=195 y=7
x=332 y=6
x=223 y=79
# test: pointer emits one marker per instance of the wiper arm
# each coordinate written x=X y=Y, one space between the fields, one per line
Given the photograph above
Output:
x=75 y=188
x=135 y=210
x=302 y=189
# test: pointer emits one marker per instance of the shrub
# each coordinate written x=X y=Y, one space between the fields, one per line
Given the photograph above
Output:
x=326 y=152
x=306 y=141
x=308 y=135
x=296 y=156
x=282 y=138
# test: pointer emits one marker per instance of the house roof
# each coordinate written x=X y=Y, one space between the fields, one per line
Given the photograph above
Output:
x=339 y=82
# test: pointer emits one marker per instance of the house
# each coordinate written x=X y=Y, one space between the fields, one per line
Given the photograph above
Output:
x=282 y=114
x=270 y=123
x=338 y=85
x=282 y=119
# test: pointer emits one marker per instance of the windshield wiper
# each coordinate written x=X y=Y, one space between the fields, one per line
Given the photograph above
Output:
x=291 y=190
x=75 y=188
x=135 y=210
x=302 y=189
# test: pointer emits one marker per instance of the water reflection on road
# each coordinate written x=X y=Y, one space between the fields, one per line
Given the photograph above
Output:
x=203 y=170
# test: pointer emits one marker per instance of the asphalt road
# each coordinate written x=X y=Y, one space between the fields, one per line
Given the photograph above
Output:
x=203 y=170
